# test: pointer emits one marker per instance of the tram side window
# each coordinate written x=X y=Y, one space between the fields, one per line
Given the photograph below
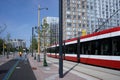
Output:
x=116 y=46
x=97 y=47
x=84 y=48
x=88 y=48
x=105 y=47
x=52 y=50
x=93 y=47
x=71 y=49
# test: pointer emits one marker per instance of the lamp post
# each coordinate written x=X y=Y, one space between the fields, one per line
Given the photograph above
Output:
x=38 y=58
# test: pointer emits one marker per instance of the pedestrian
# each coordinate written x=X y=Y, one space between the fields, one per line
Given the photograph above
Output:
x=20 y=54
x=25 y=57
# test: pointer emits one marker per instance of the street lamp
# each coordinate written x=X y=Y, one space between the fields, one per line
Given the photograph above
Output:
x=38 y=59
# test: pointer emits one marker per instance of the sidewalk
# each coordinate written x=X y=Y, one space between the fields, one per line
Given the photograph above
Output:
x=4 y=59
x=50 y=72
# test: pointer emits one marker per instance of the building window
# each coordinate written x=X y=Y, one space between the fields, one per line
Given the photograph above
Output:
x=83 y=2
x=91 y=7
x=69 y=24
x=69 y=33
x=69 y=20
x=102 y=12
x=74 y=24
x=68 y=8
x=68 y=16
x=83 y=25
x=83 y=6
x=68 y=1
x=78 y=5
x=74 y=16
x=78 y=17
x=74 y=9
x=82 y=13
x=87 y=7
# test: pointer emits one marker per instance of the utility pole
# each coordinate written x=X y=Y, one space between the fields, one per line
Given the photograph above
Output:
x=78 y=50
x=32 y=39
x=38 y=58
x=60 y=39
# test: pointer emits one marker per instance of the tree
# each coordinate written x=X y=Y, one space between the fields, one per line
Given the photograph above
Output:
x=52 y=38
x=34 y=44
x=2 y=29
x=20 y=49
x=44 y=32
x=1 y=45
x=9 y=45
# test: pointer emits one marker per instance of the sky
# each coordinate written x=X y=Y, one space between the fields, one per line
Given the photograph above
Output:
x=21 y=15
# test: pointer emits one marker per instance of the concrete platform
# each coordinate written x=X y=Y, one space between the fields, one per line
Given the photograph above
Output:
x=72 y=71
x=50 y=72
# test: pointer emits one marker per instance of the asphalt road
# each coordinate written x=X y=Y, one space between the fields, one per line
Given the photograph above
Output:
x=5 y=68
x=23 y=71
x=17 y=69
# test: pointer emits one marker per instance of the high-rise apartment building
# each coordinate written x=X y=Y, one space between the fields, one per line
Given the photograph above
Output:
x=89 y=15
x=102 y=14
x=74 y=18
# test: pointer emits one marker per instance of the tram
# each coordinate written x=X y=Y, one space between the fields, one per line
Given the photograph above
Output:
x=99 y=48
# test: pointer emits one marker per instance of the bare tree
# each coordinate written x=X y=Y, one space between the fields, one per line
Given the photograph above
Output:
x=2 y=28
x=8 y=44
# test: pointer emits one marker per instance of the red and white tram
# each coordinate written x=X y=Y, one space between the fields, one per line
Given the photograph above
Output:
x=100 y=48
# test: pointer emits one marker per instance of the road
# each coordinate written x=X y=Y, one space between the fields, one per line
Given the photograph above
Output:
x=4 y=68
x=17 y=69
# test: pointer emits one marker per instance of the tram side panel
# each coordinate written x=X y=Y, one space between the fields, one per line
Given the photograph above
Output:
x=101 y=50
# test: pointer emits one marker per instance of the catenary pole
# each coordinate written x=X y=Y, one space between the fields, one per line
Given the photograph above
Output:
x=60 y=40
